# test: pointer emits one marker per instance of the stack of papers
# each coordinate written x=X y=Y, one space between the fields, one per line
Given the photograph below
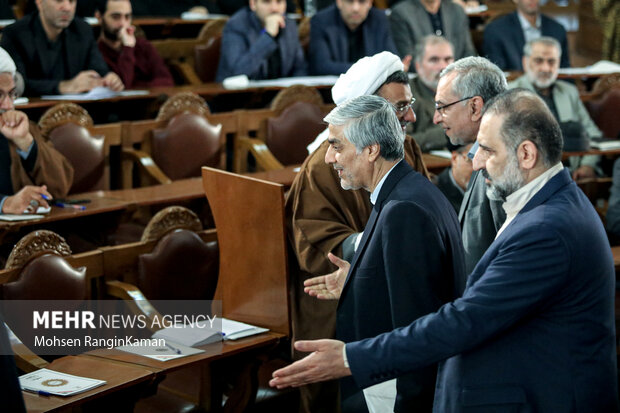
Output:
x=199 y=334
x=604 y=144
x=25 y=216
x=96 y=94
x=49 y=382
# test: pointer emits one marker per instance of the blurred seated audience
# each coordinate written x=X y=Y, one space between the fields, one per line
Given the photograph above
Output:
x=133 y=58
x=453 y=180
x=57 y=53
x=344 y=32
x=541 y=61
x=411 y=20
x=260 y=42
x=505 y=37
x=33 y=172
x=433 y=54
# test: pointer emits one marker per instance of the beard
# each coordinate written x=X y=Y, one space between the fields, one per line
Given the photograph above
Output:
x=109 y=34
x=502 y=186
x=541 y=82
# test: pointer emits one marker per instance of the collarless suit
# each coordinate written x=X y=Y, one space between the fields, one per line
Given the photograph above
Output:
x=534 y=330
x=408 y=263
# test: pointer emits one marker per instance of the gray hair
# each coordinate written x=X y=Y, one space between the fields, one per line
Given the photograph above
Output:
x=369 y=120
x=476 y=76
x=527 y=117
x=429 y=40
x=546 y=40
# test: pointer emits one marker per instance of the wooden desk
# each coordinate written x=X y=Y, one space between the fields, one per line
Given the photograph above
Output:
x=117 y=377
x=434 y=163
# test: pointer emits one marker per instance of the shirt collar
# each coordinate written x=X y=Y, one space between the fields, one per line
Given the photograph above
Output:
x=525 y=24
x=518 y=199
x=375 y=194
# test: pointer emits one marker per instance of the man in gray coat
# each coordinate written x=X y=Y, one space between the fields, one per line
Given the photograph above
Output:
x=463 y=88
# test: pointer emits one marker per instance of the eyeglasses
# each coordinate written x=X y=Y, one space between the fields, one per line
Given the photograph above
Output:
x=404 y=108
x=443 y=107
x=11 y=95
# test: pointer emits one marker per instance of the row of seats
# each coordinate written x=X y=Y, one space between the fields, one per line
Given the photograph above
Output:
x=184 y=137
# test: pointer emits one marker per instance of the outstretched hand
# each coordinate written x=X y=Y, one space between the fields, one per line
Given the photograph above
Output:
x=325 y=363
x=328 y=287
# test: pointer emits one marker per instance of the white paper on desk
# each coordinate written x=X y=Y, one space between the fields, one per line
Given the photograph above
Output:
x=602 y=67
x=20 y=101
x=300 y=80
x=475 y=10
x=57 y=383
x=6 y=22
x=234 y=330
x=95 y=94
x=441 y=153
x=160 y=353
x=133 y=92
x=20 y=217
x=190 y=335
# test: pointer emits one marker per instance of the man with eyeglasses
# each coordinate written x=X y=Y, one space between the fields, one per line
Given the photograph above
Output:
x=33 y=172
x=463 y=88
x=323 y=218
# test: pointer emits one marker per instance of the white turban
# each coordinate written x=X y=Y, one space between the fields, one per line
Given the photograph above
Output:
x=7 y=65
x=364 y=77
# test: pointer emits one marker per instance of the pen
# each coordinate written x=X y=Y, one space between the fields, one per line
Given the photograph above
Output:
x=176 y=350
x=47 y=198
x=63 y=205
x=39 y=392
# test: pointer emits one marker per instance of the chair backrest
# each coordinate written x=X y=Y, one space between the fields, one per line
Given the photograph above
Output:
x=45 y=274
x=188 y=141
x=296 y=93
x=207 y=52
x=604 y=110
x=289 y=134
x=67 y=125
x=181 y=266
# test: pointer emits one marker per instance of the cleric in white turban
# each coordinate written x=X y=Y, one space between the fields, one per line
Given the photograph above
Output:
x=7 y=65
x=364 y=77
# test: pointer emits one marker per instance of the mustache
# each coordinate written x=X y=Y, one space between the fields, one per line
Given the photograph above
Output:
x=485 y=174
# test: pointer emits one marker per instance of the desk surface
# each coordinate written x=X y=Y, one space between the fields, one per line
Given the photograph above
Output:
x=117 y=377
x=213 y=351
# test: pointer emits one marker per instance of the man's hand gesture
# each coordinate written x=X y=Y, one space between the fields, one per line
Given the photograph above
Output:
x=328 y=287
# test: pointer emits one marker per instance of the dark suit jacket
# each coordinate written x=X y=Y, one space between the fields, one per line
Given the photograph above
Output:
x=28 y=51
x=449 y=189
x=503 y=41
x=408 y=263
x=534 y=330
x=329 y=47
x=10 y=392
x=245 y=50
x=480 y=220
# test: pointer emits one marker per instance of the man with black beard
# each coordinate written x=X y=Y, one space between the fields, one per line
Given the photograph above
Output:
x=133 y=58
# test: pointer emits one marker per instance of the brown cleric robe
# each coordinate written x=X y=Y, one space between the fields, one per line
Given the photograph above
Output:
x=320 y=215
x=51 y=167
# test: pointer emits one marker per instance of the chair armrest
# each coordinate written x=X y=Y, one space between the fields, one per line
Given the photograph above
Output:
x=147 y=165
x=264 y=158
x=136 y=301
x=186 y=71
x=25 y=359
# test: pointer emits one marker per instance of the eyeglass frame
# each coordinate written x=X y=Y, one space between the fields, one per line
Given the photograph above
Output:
x=11 y=95
x=447 y=105
x=405 y=108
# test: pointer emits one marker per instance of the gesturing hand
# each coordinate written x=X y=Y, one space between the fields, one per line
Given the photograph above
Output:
x=328 y=287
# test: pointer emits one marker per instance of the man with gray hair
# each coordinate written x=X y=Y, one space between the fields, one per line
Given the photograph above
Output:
x=534 y=329
x=541 y=62
x=33 y=172
x=322 y=217
x=463 y=89
x=432 y=55
x=409 y=260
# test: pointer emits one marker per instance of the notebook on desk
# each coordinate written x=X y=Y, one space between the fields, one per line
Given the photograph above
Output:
x=49 y=382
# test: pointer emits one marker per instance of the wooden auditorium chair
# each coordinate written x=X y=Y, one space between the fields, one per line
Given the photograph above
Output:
x=178 y=143
x=40 y=267
x=207 y=52
x=66 y=126
x=298 y=113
